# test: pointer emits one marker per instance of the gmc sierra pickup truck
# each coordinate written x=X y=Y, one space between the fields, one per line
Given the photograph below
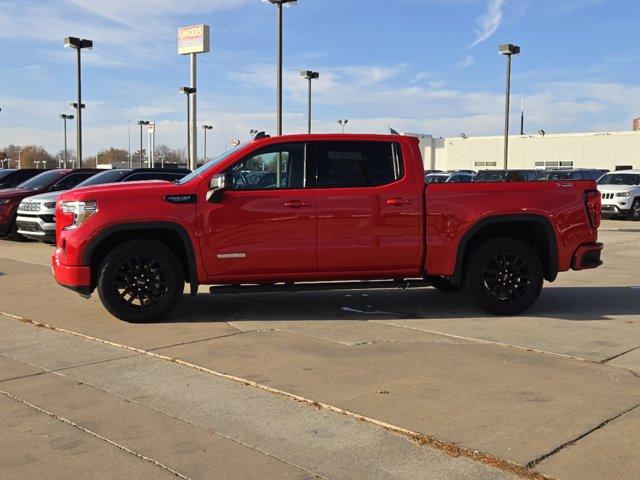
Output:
x=306 y=212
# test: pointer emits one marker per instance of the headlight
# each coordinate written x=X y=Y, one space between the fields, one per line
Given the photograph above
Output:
x=4 y=201
x=50 y=205
x=622 y=194
x=81 y=212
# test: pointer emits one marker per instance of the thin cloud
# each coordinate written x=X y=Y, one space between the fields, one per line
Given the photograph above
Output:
x=489 y=21
x=466 y=62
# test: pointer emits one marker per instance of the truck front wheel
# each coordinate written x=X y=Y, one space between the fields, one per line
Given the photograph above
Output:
x=140 y=281
x=504 y=276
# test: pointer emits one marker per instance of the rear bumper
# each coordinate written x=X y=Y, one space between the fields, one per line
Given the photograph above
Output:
x=74 y=277
x=587 y=256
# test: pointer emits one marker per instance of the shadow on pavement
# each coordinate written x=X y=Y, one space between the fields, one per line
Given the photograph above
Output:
x=562 y=303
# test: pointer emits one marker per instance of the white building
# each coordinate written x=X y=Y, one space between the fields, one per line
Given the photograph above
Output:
x=610 y=150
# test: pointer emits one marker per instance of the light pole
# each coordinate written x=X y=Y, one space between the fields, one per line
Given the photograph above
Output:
x=309 y=76
x=508 y=50
x=78 y=44
x=343 y=123
x=279 y=4
x=130 y=159
x=188 y=91
x=205 y=128
x=64 y=118
x=142 y=123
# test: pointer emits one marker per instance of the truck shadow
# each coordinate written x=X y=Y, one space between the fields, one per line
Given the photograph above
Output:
x=561 y=303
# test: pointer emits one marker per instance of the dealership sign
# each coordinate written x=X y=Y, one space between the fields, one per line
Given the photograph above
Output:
x=193 y=39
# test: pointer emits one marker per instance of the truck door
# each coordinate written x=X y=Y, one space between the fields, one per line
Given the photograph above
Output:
x=368 y=208
x=266 y=223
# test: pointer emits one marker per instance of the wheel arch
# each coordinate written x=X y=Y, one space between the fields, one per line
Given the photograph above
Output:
x=536 y=230
x=172 y=235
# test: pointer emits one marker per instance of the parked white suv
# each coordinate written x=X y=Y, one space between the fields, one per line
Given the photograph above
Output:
x=621 y=193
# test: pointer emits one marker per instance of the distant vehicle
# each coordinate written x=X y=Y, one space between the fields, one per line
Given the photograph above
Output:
x=460 y=177
x=437 y=177
x=621 y=193
x=12 y=177
x=37 y=215
x=576 y=174
x=47 y=181
x=505 y=176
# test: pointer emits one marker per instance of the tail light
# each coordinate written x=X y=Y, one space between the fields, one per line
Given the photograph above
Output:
x=593 y=204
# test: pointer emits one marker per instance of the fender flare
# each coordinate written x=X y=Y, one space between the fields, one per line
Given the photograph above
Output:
x=552 y=266
x=122 y=227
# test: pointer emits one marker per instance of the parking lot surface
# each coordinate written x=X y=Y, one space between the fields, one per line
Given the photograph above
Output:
x=345 y=384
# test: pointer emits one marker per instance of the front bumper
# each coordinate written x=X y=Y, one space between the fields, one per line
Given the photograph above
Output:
x=587 y=256
x=37 y=227
x=74 y=277
x=622 y=208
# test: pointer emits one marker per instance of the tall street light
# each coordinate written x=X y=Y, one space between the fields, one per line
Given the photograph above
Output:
x=507 y=50
x=142 y=123
x=343 y=123
x=309 y=76
x=279 y=4
x=188 y=91
x=78 y=44
x=64 y=118
x=205 y=128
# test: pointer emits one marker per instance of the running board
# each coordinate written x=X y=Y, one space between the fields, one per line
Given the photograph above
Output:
x=317 y=286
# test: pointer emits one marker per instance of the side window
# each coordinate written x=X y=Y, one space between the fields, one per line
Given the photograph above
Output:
x=71 y=181
x=358 y=164
x=277 y=167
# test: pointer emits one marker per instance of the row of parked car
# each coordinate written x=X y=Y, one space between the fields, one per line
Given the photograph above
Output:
x=468 y=176
x=28 y=196
x=620 y=190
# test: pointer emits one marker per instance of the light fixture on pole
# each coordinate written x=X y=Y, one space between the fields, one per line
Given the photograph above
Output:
x=79 y=44
x=205 y=128
x=279 y=4
x=343 y=123
x=142 y=123
x=507 y=50
x=188 y=91
x=309 y=76
x=64 y=118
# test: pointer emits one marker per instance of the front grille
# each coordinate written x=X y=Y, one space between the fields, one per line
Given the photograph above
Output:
x=607 y=196
x=30 y=206
x=29 y=227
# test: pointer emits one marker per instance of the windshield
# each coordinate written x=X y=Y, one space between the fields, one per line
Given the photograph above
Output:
x=109 y=176
x=490 y=176
x=436 y=178
x=620 y=179
x=207 y=166
x=560 y=175
x=43 y=180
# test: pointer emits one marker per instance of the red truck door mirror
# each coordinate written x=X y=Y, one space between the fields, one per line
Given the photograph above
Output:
x=219 y=183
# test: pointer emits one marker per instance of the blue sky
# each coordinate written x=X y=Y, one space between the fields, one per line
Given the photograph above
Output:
x=426 y=66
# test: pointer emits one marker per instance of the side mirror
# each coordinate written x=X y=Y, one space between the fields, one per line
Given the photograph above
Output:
x=219 y=183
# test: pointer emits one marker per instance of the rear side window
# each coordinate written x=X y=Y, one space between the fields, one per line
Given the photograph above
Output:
x=358 y=164
x=13 y=179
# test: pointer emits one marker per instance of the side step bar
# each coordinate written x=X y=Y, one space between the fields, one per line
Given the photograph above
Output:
x=317 y=286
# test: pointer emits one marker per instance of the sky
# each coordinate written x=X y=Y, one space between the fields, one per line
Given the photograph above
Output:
x=426 y=66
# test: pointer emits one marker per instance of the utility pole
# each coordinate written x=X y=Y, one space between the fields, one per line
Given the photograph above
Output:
x=507 y=50
x=309 y=76
x=78 y=44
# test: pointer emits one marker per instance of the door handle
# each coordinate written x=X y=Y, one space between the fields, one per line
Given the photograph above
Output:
x=399 y=202
x=296 y=204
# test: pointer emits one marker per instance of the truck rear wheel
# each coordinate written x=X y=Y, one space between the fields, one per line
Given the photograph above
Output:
x=140 y=281
x=504 y=276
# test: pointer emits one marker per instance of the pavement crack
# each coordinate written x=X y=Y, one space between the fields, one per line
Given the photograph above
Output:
x=535 y=462
x=94 y=434
x=620 y=354
x=22 y=376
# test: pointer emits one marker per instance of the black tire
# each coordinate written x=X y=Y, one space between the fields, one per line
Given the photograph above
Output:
x=13 y=233
x=140 y=281
x=635 y=210
x=504 y=276
x=443 y=284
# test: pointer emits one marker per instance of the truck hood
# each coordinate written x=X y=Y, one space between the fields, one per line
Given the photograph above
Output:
x=617 y=188
x=17 y=193
x=118 y=189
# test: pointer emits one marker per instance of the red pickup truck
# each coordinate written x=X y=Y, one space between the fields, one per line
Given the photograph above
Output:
x=321 y=211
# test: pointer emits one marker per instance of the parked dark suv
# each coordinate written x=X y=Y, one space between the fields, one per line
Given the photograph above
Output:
x=12 y=177
x=505 y=176
x=577 y=174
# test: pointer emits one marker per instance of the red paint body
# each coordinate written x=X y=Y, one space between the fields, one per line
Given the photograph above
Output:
x=399 y=230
